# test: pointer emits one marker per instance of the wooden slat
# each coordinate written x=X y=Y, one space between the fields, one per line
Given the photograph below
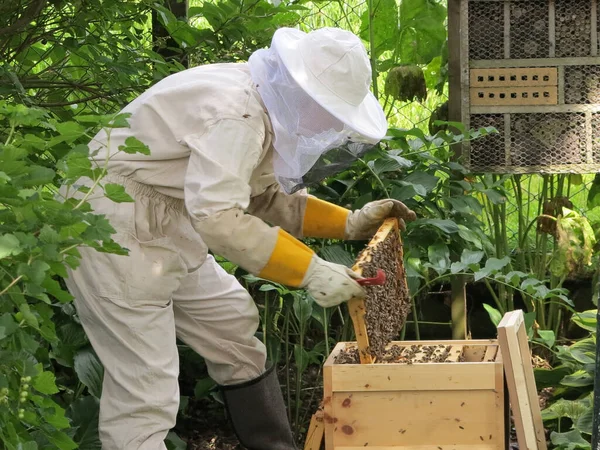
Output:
x=426 y=447
x=415 y=418
x=521 y=384
x=514 y=77
x=490 y=354
x=514 y=96
x=534 y=109
x=594 y=18
x=413 y=377
x=316 y=431
x=455 y=353
x=535 y=62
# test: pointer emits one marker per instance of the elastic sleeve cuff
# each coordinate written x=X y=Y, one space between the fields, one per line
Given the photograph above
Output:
x=324 y=220
x=289 y=261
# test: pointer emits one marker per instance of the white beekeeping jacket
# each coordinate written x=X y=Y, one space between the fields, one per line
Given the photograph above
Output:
x=210 y=141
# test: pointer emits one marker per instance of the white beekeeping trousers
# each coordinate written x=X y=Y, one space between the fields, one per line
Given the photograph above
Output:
x=133 y=308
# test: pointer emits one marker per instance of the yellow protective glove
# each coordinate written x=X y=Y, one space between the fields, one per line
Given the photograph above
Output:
x=363 y=223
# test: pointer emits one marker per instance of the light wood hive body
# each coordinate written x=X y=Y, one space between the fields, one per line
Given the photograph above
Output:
x=454 y=405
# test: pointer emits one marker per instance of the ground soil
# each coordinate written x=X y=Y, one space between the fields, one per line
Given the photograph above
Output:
x=387 y=306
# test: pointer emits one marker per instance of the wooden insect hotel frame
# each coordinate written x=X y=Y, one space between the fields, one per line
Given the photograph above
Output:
x=530 y=69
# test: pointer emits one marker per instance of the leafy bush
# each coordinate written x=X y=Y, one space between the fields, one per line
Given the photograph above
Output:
x=40 y=234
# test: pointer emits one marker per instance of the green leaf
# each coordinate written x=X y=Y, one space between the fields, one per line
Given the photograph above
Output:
x=547 y=337
x=586 y=320
x=495 y=315
x=203 y=387
x=422 y=31
x=337 y=254
x=84 y=412
x=492 y=266
x=302 y=308
x=61 y=440
x=134 y=145
x=90 y=371
x=494 y=196
x=9 y=246
x=117 y=193
x=49 y=235
x=593 y=200
x=578 y=379
x=439 y=257
x=384 y=25
x=7 y=325
x=469 y=257
x=571 y=440
x=45 y=383
x=174 y=442
x=447 y=226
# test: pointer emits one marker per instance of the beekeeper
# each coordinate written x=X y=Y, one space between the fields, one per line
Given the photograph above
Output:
x=232 y=146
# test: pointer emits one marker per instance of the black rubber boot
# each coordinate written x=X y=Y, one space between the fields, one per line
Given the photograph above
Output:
x=258 y=415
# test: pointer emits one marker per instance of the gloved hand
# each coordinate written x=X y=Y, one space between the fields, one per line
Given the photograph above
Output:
x=363 y=223
x=331 y=284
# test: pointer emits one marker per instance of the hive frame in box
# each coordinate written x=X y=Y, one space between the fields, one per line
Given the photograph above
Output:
x=516 y=66
x=424 y=406
x=356 y=306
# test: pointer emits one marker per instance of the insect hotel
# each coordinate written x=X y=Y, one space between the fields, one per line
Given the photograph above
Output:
x=531 y=70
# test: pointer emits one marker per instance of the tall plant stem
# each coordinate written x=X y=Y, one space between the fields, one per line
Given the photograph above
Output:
x=371 y=13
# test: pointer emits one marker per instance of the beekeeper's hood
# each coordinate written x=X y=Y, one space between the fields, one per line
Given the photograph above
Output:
x=315 y=87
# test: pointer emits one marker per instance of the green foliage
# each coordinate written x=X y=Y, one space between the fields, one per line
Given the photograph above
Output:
x=40 y=234
x=573 y=379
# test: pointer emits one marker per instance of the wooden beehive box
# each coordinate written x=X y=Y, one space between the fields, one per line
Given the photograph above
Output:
x=530 y=69
x=458 y=404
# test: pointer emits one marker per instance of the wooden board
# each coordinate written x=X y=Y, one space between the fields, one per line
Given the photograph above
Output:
x=518 y=96
x=356 y=306
x=521 y=383
x=514 y=77
x=316 y=430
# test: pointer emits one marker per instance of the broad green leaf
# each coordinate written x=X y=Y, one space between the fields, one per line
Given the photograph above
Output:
x=302 y=308
x=571 y=440
x=84 y=412
x=337 y=254
x=547 y=337
x=7 y=325
x=578 y=379
x=203 y=387
x=469 y=257
x=45 y=383
x=49 y=235
x=422 y=31
x=586 y=320
x=439 y=257
x=492 y=266
x=90 y=371
x=458 y=266
x=117 y=193
x=134 y=145
x=174 y=442
x=447 y=226
x=9 y=246
x=593 y=200
x=61 y=440
x=384 y=26
x=301 y=358
x=494 y=196
x=495 y=315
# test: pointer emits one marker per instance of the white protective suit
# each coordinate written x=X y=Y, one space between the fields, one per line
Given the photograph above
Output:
x=208 y=183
